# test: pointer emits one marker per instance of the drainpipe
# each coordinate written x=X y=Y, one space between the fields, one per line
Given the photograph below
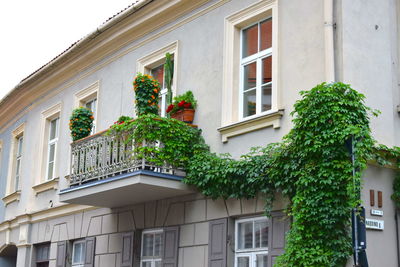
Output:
x=329 y=41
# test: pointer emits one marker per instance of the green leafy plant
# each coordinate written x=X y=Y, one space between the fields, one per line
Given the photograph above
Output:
x=81 y=123
x=181 y=102
x=147 y=91
x=168 y=76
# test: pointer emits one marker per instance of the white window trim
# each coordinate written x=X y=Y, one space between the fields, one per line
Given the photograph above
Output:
x=150 y=231
x=51 y=142
x=156 y=58
x=73 y=253
x=85 y=95
x=19 y=131
x=232 y=68
x=41 y=177
x=251 y=253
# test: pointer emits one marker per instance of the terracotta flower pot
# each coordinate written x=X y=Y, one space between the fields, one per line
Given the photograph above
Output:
x=185 y=115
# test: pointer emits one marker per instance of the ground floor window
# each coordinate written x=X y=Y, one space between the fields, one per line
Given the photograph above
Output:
x=251 y=248
x=151 y=248
x=78 y=253
x=42 y=255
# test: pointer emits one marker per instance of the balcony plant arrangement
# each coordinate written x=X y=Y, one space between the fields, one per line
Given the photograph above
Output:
x=183 y=107
x=81 y=123
x=147 y=92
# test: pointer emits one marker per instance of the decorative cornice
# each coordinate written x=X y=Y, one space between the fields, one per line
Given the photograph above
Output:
x=45 y=186
x=250 y=125
x=11 y=197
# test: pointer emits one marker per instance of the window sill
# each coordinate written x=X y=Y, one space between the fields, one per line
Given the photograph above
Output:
x=11 y=197
x=45 y=186
x=271 y=119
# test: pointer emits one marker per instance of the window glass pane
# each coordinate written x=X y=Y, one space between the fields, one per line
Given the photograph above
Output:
x=148 y=244
x=18 y=167
x=20 y=142
x=245 y=235
x=157 y=244
x=266 y=70
x=265 y=34
x=146 y=264
x=266 y=97
x=250 y=41
x=249 y=76
x=249 y=103
x=50 y=171
x=78 y=253
x=261 y=234
x=53 y=129
x=262 y=260
x=243 y=262
x=158 y=264
x=52 y=150
x=158 y=74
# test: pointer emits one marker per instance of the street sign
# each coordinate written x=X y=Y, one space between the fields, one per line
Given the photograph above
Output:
x=374 y=224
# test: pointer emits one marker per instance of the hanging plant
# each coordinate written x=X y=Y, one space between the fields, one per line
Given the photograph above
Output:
x=147 y=91
x=81 y=123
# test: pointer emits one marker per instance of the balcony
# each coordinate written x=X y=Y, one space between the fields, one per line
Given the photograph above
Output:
x=106 y=173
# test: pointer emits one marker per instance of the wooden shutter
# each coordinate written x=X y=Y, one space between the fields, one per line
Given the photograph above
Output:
x=89 y=253
x=61 y=254
x=170 y=248
x=127 y=250
x=137 y=247
x=278 y=226
x=217 y=243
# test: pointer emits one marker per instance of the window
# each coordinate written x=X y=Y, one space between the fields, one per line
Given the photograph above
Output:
x=92 y=105
x=18 y=156
x=89 y=98
x=42 y=255
x=151 y=248
x=153 y=64
x=52 y=147
x=78 y=253
x=256 y=68
x=251 y=242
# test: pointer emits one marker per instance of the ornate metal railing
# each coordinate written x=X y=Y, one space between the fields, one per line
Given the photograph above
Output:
x=102 y=156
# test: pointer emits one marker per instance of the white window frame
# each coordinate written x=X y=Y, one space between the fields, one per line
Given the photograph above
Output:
x=157 y=58
x=257 y=58
x=90 y=93
x=153 y=260
x=163 y=90
x=12 y=186
x=51 y=142
x=232 y=61
x=18 y=161
x=78 y=264
x=92 y=105
x=252 y=252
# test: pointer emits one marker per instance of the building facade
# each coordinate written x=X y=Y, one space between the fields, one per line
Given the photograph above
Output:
x=245 y=61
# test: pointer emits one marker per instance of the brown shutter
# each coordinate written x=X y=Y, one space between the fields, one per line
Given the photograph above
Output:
x=137 y=246
x=217 y=243
x=279 y=225
x=127 y=250
x=170 y=249
x=89 y=254
x=61 y=253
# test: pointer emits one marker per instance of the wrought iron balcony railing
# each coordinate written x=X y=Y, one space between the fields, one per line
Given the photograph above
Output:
x=101 y=156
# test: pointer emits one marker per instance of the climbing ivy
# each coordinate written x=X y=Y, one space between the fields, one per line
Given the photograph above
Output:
x=311 y=167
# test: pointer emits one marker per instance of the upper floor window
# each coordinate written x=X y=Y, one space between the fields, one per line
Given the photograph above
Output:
x=52 y=147
x=153 y=64
x=152 y=248
x=89 y=98
x=256 y=68
x=251 y=242
x=18 y=157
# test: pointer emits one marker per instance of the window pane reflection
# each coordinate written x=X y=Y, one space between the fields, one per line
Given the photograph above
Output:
x=262 y=260
x=265 y=34
x=245 y=235
x=249 y=103
x=250 y=41
x=249 y=76
x=243 y=262
x=266 y=97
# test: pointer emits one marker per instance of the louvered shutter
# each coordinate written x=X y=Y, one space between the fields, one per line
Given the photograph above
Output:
x=279 y=225
x=127 y=250
x=137 y=246
x=89 y=253
x=217 y=243
x=170 y=249
x=61 y=254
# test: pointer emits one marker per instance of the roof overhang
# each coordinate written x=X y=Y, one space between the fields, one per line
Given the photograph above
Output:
x=126 y=189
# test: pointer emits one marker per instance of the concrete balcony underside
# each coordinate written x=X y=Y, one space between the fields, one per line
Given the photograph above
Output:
x=126 y=189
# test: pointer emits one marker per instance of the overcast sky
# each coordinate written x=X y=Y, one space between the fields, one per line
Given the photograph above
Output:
x=35 y=31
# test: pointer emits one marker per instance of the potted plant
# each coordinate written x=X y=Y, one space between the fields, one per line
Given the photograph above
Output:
x=183 y=107
x=81 y=123
x=147 y=91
